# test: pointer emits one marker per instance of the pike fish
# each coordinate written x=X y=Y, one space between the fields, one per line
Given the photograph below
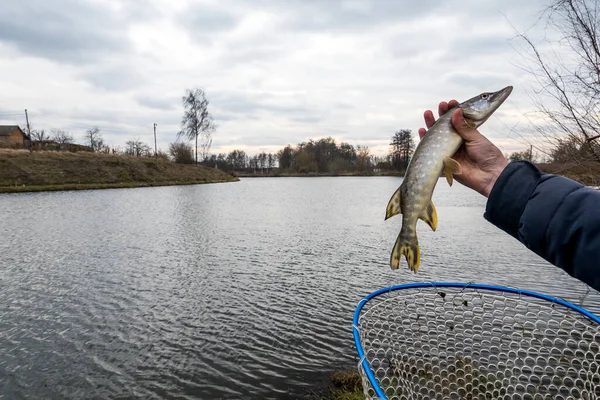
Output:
x=433 y=156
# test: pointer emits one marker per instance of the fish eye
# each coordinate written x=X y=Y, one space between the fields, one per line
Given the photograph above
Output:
x=484 y=96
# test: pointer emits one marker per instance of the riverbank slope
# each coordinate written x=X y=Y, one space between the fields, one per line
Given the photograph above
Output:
x=25 y=171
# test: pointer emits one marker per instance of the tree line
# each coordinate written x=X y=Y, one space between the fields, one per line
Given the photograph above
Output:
x=320 y=156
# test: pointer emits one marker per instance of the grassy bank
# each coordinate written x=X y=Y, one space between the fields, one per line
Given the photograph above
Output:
x=24 y=171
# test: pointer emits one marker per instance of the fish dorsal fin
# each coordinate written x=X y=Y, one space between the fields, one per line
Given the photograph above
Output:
x=393 y=207
x=429 y=215
x=451 y=167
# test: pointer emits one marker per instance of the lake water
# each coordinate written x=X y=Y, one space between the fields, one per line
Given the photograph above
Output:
x=234 y=290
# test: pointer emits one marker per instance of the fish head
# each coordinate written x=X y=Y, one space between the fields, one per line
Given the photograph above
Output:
x=479 y=108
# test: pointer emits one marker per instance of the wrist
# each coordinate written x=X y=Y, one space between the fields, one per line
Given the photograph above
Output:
x=493 y=177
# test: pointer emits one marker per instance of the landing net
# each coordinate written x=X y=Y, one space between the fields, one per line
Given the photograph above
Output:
x=445 y=340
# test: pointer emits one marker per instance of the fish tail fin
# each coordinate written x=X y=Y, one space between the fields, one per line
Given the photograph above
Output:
x=409 y=247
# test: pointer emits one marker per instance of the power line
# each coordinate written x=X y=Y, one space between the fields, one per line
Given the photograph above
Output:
x=70 y=124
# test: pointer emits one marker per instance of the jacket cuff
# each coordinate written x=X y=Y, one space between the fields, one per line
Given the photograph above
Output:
x=510 y=195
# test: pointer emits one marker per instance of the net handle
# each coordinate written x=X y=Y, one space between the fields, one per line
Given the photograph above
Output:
x=471 y=285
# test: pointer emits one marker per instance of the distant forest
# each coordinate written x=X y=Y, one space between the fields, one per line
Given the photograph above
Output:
x=322 y=156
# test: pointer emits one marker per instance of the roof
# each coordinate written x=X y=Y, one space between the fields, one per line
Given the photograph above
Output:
x=7 y=130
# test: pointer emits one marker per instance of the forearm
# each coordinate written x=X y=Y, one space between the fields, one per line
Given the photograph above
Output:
x=555 y=217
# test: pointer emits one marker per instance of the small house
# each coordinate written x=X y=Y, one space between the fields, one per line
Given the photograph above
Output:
x=13 y=136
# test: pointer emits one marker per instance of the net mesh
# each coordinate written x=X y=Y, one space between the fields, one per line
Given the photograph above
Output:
x=468 y=343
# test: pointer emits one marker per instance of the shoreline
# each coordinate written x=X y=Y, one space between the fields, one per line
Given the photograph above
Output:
x=313 y=175
x=100 y=186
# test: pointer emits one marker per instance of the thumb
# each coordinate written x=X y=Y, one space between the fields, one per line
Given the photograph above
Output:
x=466 y=131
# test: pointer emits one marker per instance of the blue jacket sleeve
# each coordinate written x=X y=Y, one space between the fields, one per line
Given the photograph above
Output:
x=555 y=217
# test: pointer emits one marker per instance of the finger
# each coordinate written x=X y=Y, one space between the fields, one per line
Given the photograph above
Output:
x=429 y=118
x=467 y=132
x=452 y=103
x=422 y=132
x=442 y=108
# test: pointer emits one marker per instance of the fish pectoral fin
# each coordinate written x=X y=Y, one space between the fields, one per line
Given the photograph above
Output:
x=393 y=207
x=409 y=247
x=451 y=167
x=429 y=215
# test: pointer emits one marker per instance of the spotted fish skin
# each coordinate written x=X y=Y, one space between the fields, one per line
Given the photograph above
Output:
x=433 y=156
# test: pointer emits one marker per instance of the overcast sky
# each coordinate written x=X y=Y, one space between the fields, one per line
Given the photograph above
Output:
x=276 y=72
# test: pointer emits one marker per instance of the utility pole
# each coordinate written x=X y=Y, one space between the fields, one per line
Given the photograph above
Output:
x=28 y=131
x=155 y=149
x=530 y=153
x=27 y=119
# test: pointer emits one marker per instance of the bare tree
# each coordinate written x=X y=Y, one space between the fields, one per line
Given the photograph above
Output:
x=182 y=153
x=524 y=155
x=137 y=148
x=39 y=135
x=363 y=158
x=402 y=148
x=568 y=75
x=270 y=161
x=117 y=150
x=262 y=159
x=60 y=136
x=94 y=138
x=197 y=122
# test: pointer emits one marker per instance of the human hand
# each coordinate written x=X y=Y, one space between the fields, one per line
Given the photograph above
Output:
x=481 y=161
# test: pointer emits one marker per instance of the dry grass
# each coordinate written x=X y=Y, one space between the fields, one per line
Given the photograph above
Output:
x=21 y=170
x=345 y=385
x=587 y=173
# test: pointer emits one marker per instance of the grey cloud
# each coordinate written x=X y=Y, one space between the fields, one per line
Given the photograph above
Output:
x=480 y=46
x=157 y=103
x=251 y=52
x=400 y=48
x=203 y=21
x=238 y=103
x=270 y=140
x=483 y=81
x=306 y=119
x=245 y=105
x=67 y=31
x=116 y=78
x=221 y=117
x=333 y=15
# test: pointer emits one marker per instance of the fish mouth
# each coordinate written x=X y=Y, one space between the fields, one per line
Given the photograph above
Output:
x=501 y=95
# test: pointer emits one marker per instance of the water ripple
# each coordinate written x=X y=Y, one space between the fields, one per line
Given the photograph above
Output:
x=242 y=290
